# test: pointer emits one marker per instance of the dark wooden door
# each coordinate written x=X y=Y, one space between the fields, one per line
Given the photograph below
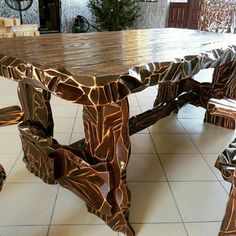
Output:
x=184 y=15
x=193 y=14
x=49 y=14
x=178 y=14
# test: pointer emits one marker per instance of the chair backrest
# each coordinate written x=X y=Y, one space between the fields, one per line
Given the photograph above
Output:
x=218 y=16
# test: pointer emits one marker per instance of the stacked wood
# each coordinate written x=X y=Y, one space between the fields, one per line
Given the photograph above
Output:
x=11 y=27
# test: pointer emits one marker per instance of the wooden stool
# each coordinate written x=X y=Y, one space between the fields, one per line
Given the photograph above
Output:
x=226 y=163
x=221 y=112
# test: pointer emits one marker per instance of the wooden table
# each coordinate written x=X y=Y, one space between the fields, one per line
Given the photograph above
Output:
x=99 y=71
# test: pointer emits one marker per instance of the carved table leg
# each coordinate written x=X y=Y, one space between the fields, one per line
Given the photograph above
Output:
x=99 y=177
x=95 y=170
x=36 y=131
x=226 y=163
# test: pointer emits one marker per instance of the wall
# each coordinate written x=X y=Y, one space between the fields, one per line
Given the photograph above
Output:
x=153 y=14
x=70 y=9
x=31 y=16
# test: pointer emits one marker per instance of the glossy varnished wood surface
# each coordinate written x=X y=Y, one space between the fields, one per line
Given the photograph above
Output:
x=104 y=67
x=112 y=53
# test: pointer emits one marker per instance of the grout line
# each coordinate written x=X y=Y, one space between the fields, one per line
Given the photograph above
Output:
x=133 y=223
x=53 y=209
x=202 y=155
x=14 y=164
x=170 y=187
x=73 y=126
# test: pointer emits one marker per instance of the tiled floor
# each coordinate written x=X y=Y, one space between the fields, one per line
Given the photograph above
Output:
x=176 y=191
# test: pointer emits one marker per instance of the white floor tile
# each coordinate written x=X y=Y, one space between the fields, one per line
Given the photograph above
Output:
x=145 y=167
x=57 y=101
x=211 y=160
x=152 y=203
x=173 y=143
x=203 y=229
x=199 y=126
x=79 y=125
x=175 y=229
x=167 y=125
x=70 y=209
x=7 y=161
x=23 y=230
x=9 y=129
x=142 y=143
x=210 y=143
x=62 y=138
x=76 y=137
x=64 y=111
x=26 y=204
x=10 y=143
x=20 y=174
x=81 y=230
x=10 y=100
x=186 y=167
x=200 y=201
x=226 y=185
x=63 y=125
x=191 y=112
x=134 y=110
x=133 y=100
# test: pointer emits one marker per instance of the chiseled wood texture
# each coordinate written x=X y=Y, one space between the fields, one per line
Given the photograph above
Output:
x=99 y=71
x=218 y=16
x=221 y=108
x=226 y=163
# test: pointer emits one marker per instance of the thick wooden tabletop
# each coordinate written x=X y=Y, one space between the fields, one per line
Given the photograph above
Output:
x=106 y=53
x=98 y=59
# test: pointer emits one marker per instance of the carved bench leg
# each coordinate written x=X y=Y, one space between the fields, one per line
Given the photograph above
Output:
x=2 y=176
x=228 y=226
x=226 y=163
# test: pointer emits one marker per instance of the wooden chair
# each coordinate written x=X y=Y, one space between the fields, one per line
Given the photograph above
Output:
x=220 y=16
x=221 y=108
x=226 y=163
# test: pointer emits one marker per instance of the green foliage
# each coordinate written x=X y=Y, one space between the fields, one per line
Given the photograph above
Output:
x=114 y=15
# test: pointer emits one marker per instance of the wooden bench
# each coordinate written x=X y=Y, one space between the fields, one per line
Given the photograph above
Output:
x=221 y=112
x=221 y=107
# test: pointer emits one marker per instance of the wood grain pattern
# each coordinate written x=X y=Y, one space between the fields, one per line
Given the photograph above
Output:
x=226 y=163
x=99 y=71
x=112 y=53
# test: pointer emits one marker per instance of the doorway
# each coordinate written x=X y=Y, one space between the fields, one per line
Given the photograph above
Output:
x=49 y=15
x=184 y=13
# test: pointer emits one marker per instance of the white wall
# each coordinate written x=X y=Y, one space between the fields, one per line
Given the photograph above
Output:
x=153 y=14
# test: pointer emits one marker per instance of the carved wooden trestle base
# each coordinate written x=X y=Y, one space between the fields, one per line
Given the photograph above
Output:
x=226 y=163
x=94 y=168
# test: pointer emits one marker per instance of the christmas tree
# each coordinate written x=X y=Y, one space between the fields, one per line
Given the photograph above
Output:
x=114 y=15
